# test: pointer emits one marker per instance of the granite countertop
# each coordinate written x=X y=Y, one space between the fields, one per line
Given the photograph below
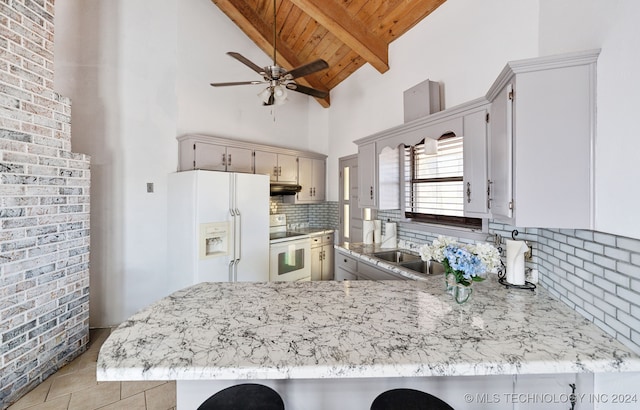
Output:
x=365 y=253
x=330 y=329
x=313 y=231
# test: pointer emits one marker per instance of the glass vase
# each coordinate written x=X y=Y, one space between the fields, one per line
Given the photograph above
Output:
x=450 y=283
x=462 y=293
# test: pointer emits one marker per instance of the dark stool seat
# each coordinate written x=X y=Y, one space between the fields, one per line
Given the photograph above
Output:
x=408 y=399
x=248 y=396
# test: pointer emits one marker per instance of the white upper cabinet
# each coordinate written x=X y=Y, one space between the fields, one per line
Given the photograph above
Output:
x=279 y=167
x=380 y=156
x=216 y=157
x=475 y=173
x=312 y=178
x=367 y=172
x=542 y=134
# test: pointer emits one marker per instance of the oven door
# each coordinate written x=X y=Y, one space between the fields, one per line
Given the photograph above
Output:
x=290 y=260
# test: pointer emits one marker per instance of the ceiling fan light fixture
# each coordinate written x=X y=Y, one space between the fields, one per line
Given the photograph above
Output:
x=265 y=95
x=279 y=94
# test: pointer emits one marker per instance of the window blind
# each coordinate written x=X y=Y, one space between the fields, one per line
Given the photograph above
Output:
x=433 y=179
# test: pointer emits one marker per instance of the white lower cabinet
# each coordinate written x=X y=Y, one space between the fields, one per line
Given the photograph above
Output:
x=322 y=257
x=349 y=268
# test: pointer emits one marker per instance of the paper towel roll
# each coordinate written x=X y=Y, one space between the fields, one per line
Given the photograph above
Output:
x=515 y=261
x=368 y=228
x=389 y=239
x=377 y=231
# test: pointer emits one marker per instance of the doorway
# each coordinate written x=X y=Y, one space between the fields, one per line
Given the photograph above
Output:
x=351 y=215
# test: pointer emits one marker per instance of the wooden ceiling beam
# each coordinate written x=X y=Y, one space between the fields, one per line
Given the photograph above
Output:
x=349 y=30
x=262 y=34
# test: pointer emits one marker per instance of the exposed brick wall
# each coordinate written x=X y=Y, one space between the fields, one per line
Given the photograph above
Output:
x=44 y=213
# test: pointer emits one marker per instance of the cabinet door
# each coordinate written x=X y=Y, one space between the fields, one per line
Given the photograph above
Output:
x=316 y=263
x=209 y=156
x=475 y=165
x=501 y=156
x=287 y=169
x=319 y=180
x=239 y=160
x=305 y=179
x=266 y=163
x=311 y=176
x=367 y=175
x=327 y=262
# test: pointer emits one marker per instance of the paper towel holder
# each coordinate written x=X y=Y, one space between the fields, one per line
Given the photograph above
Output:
x=502 y=279
x=528 y=255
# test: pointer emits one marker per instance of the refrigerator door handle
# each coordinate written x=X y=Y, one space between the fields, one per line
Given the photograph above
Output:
x=235 y=270
x=231 y=265
x=238 y=236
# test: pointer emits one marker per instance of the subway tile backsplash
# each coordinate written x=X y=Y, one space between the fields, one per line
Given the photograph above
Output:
x=595 y=273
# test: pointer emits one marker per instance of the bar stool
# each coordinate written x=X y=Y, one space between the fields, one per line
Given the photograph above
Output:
x=408 y=399
x=248 y=396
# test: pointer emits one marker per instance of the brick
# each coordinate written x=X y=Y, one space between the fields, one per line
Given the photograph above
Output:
x=618 y=326
x=619 y=254
x=604 y=238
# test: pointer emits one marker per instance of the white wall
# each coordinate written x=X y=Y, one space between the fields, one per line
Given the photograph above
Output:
x=124 y=115
x=464 y=45
x=205 y=34
x=138 y=74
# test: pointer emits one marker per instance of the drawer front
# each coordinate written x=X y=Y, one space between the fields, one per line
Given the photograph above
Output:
x=327 y=239
x=316 y=240
x=342 y=274
x=374 y=273
x=347 y=262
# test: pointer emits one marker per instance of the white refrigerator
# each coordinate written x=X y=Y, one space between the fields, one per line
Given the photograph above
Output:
x=218 y=227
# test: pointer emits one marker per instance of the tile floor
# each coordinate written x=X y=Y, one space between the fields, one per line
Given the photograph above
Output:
x=74 y=387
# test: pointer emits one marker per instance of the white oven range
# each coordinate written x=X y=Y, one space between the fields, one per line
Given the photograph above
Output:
x=290 y=252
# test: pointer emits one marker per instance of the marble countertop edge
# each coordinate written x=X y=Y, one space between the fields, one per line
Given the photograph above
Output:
x=371 y=371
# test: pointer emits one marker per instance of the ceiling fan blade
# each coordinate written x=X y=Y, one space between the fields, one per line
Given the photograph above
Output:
x=307 y=90
x=306 y=69
x=237 y=83
x=247 y=62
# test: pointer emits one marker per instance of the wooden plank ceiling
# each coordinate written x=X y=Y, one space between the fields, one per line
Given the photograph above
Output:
x=345 y=33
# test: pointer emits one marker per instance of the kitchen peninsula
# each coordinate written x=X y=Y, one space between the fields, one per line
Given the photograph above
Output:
x=337 y=344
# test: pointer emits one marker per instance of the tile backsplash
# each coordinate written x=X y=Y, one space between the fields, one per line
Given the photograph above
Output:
x=322 y=215
x=597 y=274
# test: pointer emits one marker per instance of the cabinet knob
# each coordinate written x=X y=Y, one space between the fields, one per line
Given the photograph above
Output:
x=468 y=192
x=224 y=160
x=371 y=193
x=229 y=160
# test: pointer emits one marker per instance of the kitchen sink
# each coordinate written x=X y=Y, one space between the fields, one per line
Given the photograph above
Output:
x=421 y=266
x=396 y=256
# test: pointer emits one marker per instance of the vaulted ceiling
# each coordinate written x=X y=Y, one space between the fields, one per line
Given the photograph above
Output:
x=345 y=33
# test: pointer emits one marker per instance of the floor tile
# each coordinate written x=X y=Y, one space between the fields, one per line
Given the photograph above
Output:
x=132 y=388
x=35 y=396
x=95 y=397
x=136 y=402
x=59 y=403
x=74 y=387
x=76 y=381
x=162 y=397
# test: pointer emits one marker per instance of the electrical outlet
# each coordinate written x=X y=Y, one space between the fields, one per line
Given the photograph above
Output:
x=150 y=187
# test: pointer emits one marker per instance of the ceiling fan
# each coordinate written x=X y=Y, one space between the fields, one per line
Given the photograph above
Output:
x=278 y=79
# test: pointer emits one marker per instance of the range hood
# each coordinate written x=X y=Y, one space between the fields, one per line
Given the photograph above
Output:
x=284 y=189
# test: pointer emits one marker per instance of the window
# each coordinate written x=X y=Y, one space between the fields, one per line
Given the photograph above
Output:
x=433 y=175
